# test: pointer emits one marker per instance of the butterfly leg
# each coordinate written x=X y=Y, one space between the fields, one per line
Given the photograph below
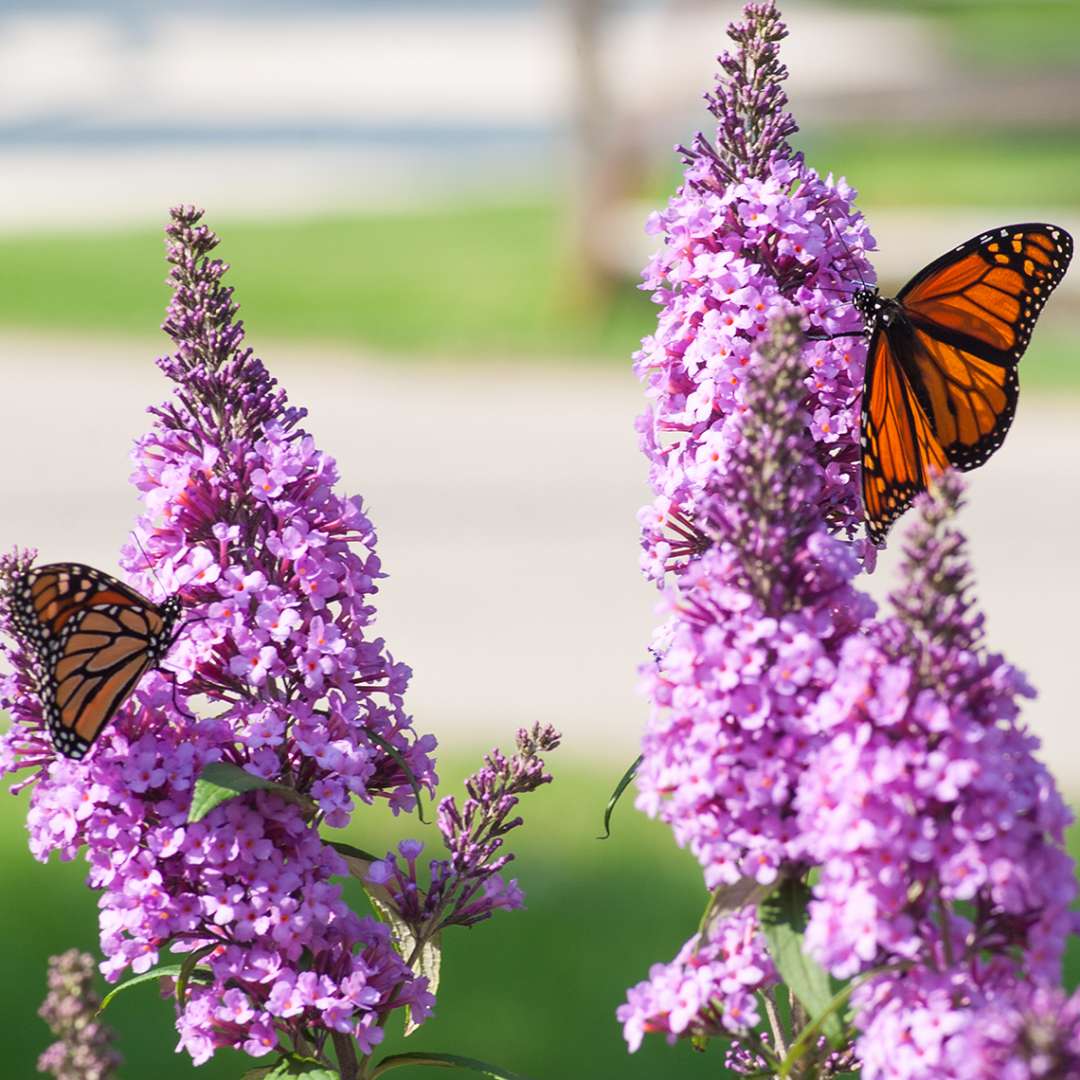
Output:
x=833 y=337
x=171 y=676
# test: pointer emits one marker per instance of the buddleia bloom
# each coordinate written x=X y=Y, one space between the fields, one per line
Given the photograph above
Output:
x=83 y=1049
x=939 y=834
x=757 y=625
x=276 y=671
x=792 y=735
x=751 y=230
x=468 y=887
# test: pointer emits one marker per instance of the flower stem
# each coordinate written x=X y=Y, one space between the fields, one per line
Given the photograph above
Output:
x=779 y=1045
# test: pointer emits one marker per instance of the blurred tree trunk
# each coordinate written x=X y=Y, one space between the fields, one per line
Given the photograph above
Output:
x=593 y=124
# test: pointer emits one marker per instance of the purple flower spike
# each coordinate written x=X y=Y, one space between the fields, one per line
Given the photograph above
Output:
x=939 y=835
x=83 y=1050
x=276 y=670
x=755 y=633
x=749 y=103
x=793 y=736
x=468 y=887
x=751 y=233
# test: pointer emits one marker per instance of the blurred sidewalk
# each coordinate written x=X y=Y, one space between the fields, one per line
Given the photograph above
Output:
x=504 y=498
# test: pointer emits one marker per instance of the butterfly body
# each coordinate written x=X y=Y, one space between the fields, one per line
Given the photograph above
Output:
x=941 y=380
x=93 y=638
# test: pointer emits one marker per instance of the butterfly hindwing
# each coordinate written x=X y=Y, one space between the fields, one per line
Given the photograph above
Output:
x=93 y=638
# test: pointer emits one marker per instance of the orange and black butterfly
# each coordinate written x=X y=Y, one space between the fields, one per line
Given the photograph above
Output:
x=941 y=383
x=93 y=638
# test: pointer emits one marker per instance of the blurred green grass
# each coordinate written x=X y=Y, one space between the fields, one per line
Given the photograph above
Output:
x=484 y=282
x=984 y=33
x=534 y=991
x=891 y=167
x=479 y=281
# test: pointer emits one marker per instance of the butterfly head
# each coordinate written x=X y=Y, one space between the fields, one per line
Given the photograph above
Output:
x=171 y=609
x=869 y=305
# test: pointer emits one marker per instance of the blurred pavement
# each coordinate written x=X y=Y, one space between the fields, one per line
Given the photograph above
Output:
x=504 y=499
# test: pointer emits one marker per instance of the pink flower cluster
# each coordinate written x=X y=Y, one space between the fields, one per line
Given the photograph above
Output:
x=790 y=729
x=735 y=256
x=467 y=887
x=708 y=989
x=275 y=671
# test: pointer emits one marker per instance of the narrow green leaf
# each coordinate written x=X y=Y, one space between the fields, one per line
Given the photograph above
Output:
x=444 y=1061
x=165 y=971
x=220 y=781
x=783 y=922
x=620 y=787
x=187 y=969
x=260 y=1073
x=810 y=1032
x=347 y=852
x=402 y=764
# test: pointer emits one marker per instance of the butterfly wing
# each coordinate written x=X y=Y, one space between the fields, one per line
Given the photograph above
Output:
x=972 y=312
x=94 y=638
x=899 y=447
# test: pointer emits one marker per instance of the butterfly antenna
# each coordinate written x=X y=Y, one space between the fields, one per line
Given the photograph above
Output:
x=149 y=564
x=843 y=243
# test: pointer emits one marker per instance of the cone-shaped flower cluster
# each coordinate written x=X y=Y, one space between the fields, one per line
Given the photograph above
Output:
x=939 y=836
x=752 y=226
x=755 y=635
x=83 y=1049
x=275 y=671
x=790 y=731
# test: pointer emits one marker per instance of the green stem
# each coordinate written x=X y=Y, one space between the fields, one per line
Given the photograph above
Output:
x=774 y=1022
x=348 y=1066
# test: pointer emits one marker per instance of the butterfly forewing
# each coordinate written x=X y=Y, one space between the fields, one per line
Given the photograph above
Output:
x=991 y=289
x=949 y=354
x=93 y=638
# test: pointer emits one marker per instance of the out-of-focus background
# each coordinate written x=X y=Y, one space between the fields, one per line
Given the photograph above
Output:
x=434 y=213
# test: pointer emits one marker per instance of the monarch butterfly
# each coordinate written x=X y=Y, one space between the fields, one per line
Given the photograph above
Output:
x=941 y=384
x=93 y=638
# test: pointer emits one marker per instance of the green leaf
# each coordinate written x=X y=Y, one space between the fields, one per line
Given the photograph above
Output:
x=727 y=899
x=165 y=971
x=187 y=970
x=427 y=960
x=838 y=1002
x=403 y=765
x=444 y=1061
x=347 y=852
x=260 y=1073
x=783 y=922
x=620 y=787
x=220 y=781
